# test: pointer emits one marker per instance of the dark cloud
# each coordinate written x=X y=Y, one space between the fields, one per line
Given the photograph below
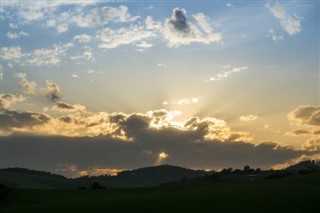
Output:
x=52 y=91
x=178 y=30
x=50 y=153
x=179 y=20
x=11 y=119
x=309 y=115
x=63 y=105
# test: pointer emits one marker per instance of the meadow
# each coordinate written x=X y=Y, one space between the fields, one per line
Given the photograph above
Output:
x=296 y=193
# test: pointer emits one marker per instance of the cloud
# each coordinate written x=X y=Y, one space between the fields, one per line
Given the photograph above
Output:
x=291 y=24
x=15 y=35
x=65 y=107
x=96 y=140
x=184 y=101
x=178 y=30
x=47 y=56
x=11 y=53
x=151 y=24
x=229 y=5
x=32 y=11
x=305 y=115
x=71 y=170
x=312 y=144
x=112 y=38
x=226 y=72
x=52 y=91
x=248 y=117
x=74 y=75
x=87 y=55
x=273 y=35
x=7 y=100
x=12 y=119
x=38 y=57
x=52 y=153
x=83 y=38
x=102 y=16
x=298 y=132
x=1 y=72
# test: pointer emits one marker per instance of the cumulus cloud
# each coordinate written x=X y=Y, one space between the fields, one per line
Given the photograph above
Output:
x=112 y=38
x=312 y=144
x=65 y=107
x=248 y=117
x=12 y=119
x=102 y=16
x=83 y=38
x=226 y=71
x=11 y=53
x=47 y=56
x=52 y=91
x=178 y=30
x=87 y=55
x=15 y=35
x=7 y=100
x=305 y=115
x=32 y=11
x=291 y=24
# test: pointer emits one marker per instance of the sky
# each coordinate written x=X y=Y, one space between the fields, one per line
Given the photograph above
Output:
x=96 y=87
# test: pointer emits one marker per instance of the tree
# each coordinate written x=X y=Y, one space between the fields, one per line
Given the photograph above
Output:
x=96 y=185
x=246 y=169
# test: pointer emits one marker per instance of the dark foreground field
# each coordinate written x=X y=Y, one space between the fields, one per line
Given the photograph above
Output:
x=298 y=193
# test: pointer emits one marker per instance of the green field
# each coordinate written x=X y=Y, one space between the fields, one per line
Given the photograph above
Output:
x=298 y=193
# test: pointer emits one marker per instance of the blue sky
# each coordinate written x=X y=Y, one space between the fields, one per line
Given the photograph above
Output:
x=251 y=64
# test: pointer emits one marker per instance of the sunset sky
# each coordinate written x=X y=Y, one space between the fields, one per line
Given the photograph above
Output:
x=94 y=87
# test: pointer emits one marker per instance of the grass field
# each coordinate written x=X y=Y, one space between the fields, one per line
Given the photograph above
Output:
x=300 y=193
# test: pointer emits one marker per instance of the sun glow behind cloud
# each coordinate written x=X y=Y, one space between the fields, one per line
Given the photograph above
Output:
x=171 y=81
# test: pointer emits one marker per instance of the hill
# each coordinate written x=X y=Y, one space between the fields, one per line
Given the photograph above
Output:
x=143 y=177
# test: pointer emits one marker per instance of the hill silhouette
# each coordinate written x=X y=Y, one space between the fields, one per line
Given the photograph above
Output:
x=144 y=177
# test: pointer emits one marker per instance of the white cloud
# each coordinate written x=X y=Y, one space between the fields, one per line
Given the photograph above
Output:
x=248 y=117
x=13 y=26
x=83 y=38
x=229 y=5
x=47 y=56
x=112 y=38
x=203 y=22
x=11 y=53
x=291 y=24
x=144 y=44
x=102 y=16
x=178 y=30
x=151 y=24
x=91 y=71
x=183 y=101
x=74 y=75
x=14 y=35
x=226 y=71
x=87 y=54
x=273 y=35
